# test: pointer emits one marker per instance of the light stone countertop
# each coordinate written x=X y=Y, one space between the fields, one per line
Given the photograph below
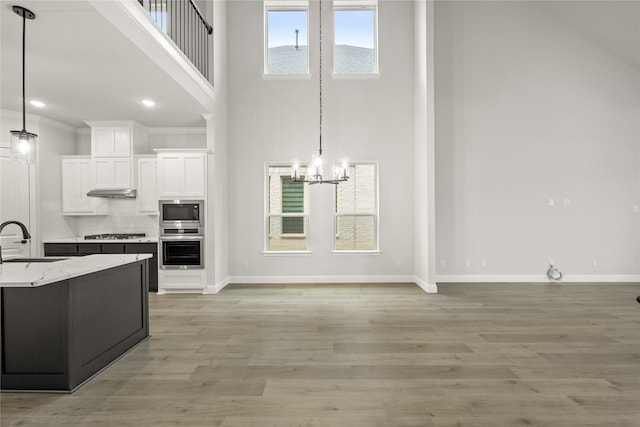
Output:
x=33 y=274
x=83 y=240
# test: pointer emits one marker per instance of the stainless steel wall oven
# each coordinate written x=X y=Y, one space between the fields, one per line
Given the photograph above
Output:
x=181 y=248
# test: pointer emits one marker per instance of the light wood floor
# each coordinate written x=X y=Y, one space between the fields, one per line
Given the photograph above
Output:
x=369 y=355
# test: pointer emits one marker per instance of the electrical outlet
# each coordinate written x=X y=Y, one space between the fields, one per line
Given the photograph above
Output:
x=483 y=263
x=566 y=201
x=552 y=202
x=467 y=263
x=636 y=209
x=594 y=263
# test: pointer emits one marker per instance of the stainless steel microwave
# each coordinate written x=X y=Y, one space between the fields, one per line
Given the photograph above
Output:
x=181 y=213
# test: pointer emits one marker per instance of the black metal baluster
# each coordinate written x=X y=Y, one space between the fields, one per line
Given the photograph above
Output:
x=187 y=27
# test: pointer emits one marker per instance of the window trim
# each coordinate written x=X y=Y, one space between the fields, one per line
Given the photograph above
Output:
x=267 y=216
x=284 y=6
x=375 y=214
x=357 y=5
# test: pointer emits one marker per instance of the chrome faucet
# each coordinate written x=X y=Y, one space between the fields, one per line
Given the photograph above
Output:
x=25 y=232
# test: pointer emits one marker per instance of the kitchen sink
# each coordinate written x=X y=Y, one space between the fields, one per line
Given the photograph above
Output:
x=45 y=259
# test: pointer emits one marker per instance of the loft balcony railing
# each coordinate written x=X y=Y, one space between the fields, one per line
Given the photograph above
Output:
x=183 y=22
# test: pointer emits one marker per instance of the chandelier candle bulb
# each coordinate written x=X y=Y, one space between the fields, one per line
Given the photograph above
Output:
x=295 y=167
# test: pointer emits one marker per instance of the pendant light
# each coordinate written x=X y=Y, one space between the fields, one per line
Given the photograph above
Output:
x=23 y=143
x=314 y=169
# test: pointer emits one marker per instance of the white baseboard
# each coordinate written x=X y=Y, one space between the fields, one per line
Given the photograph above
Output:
x=320 y=279
x=430 y=288
x=217 y=287
x=537 y=278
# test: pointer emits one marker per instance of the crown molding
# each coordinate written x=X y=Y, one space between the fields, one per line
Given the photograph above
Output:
x=40 y=120
x=177 y=131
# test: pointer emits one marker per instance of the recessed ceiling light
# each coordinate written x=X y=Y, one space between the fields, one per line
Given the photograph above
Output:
x=148 y=103
x=37 y=103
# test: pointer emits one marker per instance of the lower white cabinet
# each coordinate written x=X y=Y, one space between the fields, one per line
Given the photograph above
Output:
x=113 y=172
x=147 y=190
x=78 y=177
x=182 y=281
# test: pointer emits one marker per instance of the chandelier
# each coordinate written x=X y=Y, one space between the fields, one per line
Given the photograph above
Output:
x=23 y=143
x=315 y=169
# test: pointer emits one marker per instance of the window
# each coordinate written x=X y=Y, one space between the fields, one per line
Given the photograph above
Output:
x=356 y=221
x=286 y=37
x=287 y=218
x=355 y=37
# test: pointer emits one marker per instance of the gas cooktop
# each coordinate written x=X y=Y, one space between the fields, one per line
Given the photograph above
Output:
x=114 y=236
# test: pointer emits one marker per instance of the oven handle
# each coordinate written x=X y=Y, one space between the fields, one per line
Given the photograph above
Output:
x=180 y=237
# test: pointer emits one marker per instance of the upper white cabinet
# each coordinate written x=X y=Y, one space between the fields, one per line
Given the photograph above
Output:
x=182 y=174
x=113 y=145
x=111 y=141
x=78 y=176
x=147 y=199
x=113 y=172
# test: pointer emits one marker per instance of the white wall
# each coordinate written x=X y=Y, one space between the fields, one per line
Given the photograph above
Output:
x=177 y=138
x=529 y=109
x=17 y=186
x=157 y=138
x=54 y=140
x=277 y=120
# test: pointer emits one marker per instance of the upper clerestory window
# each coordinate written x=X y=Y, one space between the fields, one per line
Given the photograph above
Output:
x=286 y=37
x=355 y=37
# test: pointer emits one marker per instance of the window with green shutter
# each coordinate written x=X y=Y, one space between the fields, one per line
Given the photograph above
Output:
x=287 y=218
x=292 y=202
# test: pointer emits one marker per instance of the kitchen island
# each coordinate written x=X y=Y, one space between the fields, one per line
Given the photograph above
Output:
x=81 y=246
x=63 y=321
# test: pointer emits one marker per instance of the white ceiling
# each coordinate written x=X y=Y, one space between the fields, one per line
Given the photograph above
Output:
x=84 y=68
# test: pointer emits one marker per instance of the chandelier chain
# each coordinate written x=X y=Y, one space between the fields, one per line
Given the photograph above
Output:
x=320 y=75
x=315 y=167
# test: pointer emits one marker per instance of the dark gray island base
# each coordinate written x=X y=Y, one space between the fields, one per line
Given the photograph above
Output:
x=57 y=336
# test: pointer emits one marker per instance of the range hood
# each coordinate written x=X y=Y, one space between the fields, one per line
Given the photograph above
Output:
x=113 y=193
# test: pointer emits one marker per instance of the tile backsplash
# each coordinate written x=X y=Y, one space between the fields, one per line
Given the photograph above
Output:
x=121 y=219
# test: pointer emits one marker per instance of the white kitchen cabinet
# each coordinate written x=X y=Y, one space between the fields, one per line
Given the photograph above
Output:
x=147 y=198
x=113 y=144
x=111 y=141
x=113 y=172
x=182 y=174
x=181 y=281
x=78 y=177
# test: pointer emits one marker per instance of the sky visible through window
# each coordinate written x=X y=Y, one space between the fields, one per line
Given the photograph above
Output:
x=283 y=25
x=352 y=27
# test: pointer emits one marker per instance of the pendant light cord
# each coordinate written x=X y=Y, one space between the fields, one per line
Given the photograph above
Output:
x=320 y=75
x=24 y=108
